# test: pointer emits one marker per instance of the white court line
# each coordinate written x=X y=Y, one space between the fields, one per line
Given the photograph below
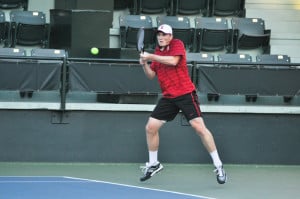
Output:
x=132 y=186
x=33 y=181
x=83 y=180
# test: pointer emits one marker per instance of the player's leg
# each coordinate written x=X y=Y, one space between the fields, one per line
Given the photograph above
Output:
x=152 y=135
x=164 y=111
x=205 y=135
x=189 y=104
x=209 y=143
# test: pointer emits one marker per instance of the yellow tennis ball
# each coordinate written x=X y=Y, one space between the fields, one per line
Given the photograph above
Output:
x=94 y=51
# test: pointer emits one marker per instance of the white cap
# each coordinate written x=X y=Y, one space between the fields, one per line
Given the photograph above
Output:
x=165 y=29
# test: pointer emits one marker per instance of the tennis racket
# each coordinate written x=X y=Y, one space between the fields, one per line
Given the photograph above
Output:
x=140 y=40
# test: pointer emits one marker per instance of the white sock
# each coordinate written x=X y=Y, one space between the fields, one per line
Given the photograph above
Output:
x=216 y=159
x=153 y=157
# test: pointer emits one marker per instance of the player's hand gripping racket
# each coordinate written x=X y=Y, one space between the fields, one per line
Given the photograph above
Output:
x=140 y=40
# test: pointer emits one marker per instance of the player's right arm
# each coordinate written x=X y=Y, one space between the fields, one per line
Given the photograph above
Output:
x=147 y=70
x=146 y=67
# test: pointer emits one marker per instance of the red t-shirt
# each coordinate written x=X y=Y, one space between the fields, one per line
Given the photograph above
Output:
x=174 y=80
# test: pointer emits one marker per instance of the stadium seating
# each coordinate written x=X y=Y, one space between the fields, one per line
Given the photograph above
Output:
x=12 y=52
x=42 y=52
x=29 y=28
x=181 y=29
x=225 y=8
x=237 y=59
x=13 y=4
x=129 y=26
x=4 y=29
x=250 y=33
x=153 y=6
x=282 y=59
x=213 y=34
x=191 y=7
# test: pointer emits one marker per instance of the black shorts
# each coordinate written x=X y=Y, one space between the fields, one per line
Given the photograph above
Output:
x=167 y=108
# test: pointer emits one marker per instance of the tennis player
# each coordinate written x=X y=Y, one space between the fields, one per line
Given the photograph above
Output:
x=168 y=63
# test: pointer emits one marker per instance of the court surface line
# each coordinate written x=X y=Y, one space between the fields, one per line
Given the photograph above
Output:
x=137 y=187
x=84 y=180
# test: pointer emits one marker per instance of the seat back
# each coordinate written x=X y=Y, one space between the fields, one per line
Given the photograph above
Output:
x=277 y=61
x=13 y=4
x=28 y=17
x=4 y=29
x=273 y=59
x=129 y=26
x=42 y=52
x=200 y=57
x=121 y=4
x=191 y=7
x=29 y=28
x=248 y=26
x=12 y=52
x=152 y=6
x=181 y=29
x=250 y=33
x=228 y=8
x=234 y=58
x=213 y=34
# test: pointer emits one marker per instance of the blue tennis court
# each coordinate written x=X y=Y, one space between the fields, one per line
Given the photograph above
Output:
x=77 y=188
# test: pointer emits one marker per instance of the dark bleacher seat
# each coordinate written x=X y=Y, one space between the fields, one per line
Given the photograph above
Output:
x=191 y=7
x=153 y=6
x=181 y=29
x=213 y=34
x=42 y=52
x=12 y=52
x=250 y=33
x=233 y=59
x=120 y=4
x=227 y=8
x=281 y=59
x=273 y=61
x=4 y=29
x=29 y=28
x=200 y=57
x=129 y=26
x=13 y=4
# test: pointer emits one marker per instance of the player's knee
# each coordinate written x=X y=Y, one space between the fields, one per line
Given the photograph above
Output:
x=150 y=129
x=199 y=126
x=201 y=131
x=153 y=126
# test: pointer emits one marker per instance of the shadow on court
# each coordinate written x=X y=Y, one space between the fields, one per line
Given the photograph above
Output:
x=180 y=181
